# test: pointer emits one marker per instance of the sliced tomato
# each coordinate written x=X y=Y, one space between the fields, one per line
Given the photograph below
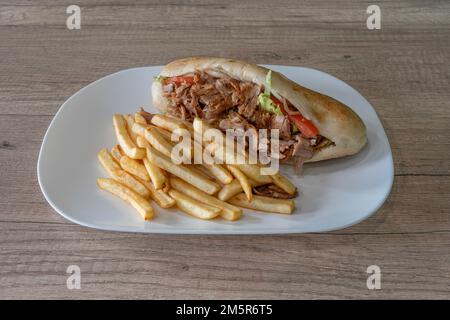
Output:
x=306 y=127
x=277 y=102
x=179 y=80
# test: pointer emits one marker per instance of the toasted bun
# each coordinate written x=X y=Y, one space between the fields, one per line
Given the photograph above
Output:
x=334 y=120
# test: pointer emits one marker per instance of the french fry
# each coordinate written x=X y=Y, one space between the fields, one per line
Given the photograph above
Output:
x=233 y=188
x=215 y=170
x=229 y=212
x=283 y=182
x=158 y=142
x=251 y=170
x=165 y=146
x=194 y=207
x=139 y=118
x=131 y=182
x=202 y=170
x=166 y=134
x=115 y=171
x=147 y=115
x=230 y=190
x=242 y=180
x=134 y=167
x=139 y=129
x=142 y=142
x=200 y=126
x=254 y=172
x=189 y=127
x=219 y=172
x=124 y=139
x=107 y=161
x=284 y=206
x=117 y=152
x=139 y=203
x=156 y=174
x=130 y=122
x=161 y=140
x=182 y=171
x=159 y=196
x=167 y=122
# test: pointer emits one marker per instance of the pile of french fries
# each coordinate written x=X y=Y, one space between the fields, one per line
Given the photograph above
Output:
x=141 y=172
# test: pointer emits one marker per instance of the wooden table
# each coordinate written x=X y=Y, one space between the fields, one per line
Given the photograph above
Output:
x=402 y=69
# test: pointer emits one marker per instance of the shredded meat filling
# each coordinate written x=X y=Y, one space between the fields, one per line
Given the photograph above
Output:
x=273 y=191
x=229 y=103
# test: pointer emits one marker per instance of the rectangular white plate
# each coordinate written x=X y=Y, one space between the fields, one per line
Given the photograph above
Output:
x=334 y=194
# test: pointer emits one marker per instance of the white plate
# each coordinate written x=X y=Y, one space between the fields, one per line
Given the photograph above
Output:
x=334 y=194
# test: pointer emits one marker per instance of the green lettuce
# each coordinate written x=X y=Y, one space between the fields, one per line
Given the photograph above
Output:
x=264 y=101
x=160 y=78
x=266 y=104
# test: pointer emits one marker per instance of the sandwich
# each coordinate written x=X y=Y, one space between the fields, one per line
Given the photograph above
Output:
x=233 y=94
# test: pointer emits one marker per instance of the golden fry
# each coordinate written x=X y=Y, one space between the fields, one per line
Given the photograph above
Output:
x=115 y=171
x=156 y=174
x=242 y=180
x=130 y=122
x=139 y=118
x=182 y=171
x=124 y=139
x=134 y=167
x=158 y=142
x=254 y=173
x=194 y=207
x=166 y=134
x=108 y=162
x=284 y=206
x=117 y=152
x=139 y=203
x=142 y=142
x=233 y=188
x=219 y=172
x=167 y=123
x=159 y=196
x=229 y=212
x=139 y=129
x=283 y=182
x=260 y=203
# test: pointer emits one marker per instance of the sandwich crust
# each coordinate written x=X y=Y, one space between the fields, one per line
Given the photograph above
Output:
x=334 y=120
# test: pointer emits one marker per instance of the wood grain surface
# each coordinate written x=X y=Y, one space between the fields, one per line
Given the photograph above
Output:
x=402 y=69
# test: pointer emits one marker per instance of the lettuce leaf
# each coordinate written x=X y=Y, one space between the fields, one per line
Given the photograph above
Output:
x=267 y=104
x=160 y=78
x=264 y=101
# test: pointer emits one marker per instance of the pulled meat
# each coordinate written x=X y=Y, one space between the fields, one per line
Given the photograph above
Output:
x=229 y=103
x=147 y=115
x=281 y=123
x=273 y=191
x=235 y=121
x=210 y=98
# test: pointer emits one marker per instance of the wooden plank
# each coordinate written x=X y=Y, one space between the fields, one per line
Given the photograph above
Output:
x=117 y=265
